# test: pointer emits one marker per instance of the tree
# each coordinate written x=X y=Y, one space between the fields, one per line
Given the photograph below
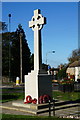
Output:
x=5 y=53
x=32 y=61
x=25 y=52
x=75 y=56
x=3 y=26
x=62 y=72
x=15 y=53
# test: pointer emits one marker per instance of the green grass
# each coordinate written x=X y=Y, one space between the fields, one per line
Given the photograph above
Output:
x=14 y=94
x=66 y=96
x=25 y=117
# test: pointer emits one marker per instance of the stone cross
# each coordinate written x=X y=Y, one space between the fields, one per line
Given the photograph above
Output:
x=37 y=82
x=36 y=24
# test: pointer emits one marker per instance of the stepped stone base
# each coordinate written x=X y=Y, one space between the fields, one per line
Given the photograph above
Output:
x=32 y=108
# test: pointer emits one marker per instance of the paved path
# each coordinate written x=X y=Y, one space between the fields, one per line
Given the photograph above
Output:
x=7 y=108
x=9 y=86
x=74 y=111
x=5 y=86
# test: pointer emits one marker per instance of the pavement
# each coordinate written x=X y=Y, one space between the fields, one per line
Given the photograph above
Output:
x=7 y=108
x=2 y=86
x=5 y=86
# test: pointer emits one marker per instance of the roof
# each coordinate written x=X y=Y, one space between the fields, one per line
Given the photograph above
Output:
x=75 y=64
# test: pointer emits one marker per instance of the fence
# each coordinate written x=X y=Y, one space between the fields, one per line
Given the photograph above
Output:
x=66 y=87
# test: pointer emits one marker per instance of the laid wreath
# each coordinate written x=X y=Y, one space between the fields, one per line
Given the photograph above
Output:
x=40 y=99
x=44 y=99
x=34 y=101
x=30 y=100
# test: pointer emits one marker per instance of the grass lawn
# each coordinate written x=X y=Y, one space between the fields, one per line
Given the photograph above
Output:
x=12 y=94
x=18 y=93
x=25 y=117
x=66 y=96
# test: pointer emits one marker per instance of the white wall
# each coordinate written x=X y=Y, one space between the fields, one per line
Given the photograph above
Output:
x=77 y=71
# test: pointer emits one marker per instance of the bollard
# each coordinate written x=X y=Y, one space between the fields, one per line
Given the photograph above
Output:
x=17 y=81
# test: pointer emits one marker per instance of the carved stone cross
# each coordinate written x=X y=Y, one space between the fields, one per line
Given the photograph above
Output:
x=38 y=82
x=36 y=24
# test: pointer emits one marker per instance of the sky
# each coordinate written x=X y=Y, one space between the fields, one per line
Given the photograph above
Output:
x=59 y=34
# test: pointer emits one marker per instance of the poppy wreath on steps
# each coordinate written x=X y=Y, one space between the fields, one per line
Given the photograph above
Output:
x=30 y=100
x=44 y=99
x=34 y=101
x=40 y=99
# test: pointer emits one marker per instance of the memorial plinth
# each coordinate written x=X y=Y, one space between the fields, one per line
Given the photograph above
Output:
x=37 y=85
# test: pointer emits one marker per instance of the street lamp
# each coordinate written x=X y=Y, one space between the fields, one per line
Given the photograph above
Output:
x=47 y=55
x=21 y=35
x=9 y=47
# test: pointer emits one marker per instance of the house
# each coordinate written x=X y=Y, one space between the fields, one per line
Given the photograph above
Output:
x=74 y=70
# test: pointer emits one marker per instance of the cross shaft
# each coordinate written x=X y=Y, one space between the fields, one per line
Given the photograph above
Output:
x=36 y=24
